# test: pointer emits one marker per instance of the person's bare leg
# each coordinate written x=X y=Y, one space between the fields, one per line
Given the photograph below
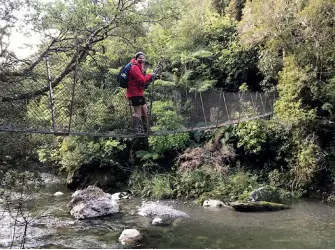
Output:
x=137 y=118
x=145 y=119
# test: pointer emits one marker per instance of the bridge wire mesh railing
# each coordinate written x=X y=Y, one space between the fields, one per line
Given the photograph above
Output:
x=215 y=108
x=80 y=106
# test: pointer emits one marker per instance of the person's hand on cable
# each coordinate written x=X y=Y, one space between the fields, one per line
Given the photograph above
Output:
x=155 y=76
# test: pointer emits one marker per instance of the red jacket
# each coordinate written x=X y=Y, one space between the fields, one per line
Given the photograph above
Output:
x=137 y=80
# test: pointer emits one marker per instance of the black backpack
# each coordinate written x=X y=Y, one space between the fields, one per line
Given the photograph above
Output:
x=122 y=78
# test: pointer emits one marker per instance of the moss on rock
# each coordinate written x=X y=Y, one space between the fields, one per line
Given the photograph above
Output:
x=258 y=206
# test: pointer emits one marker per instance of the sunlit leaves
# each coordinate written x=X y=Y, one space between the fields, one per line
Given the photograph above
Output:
x=292 y=81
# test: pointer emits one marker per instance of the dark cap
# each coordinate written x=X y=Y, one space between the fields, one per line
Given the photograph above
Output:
x=139 y=54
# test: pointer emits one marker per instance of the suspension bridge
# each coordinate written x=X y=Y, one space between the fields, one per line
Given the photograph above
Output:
x=105 y=112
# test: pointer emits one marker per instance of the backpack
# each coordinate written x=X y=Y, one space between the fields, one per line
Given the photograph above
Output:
x=122 y=78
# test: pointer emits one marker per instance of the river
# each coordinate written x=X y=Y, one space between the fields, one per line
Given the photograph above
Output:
x=308 y=224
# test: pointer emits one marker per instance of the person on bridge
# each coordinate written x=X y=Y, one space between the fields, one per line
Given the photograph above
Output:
x=138 y=81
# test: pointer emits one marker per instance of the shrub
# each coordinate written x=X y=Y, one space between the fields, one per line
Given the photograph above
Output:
x=158 y=186
x=194 y=183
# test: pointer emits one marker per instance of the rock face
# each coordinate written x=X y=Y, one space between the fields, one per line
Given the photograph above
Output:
x=130 y=237
x=257 y=206
x=92 y=202
x=156 y=209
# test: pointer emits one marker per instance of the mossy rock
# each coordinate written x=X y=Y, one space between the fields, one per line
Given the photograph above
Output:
x=258 y=206
x=265 y=193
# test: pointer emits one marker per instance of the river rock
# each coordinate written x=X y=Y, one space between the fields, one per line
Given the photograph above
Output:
x=257 y=206
x=120 y=195
x=213 y=203
x=92 y=202
x=130 y=237
x=153 y=209
x=58 y=193
x=157 y=221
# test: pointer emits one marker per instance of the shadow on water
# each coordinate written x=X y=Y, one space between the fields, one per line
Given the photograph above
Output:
x=308 y=224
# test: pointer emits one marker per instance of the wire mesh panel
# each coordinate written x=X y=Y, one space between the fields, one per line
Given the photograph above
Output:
x=30 y=111
x=214 y=108
x=81 y=106
x=101 y=111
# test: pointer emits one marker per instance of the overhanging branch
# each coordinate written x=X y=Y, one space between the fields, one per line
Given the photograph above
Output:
x=68 y=69
x=96 y=36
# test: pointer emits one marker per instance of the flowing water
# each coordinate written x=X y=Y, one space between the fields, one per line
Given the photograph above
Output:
x=307 y=224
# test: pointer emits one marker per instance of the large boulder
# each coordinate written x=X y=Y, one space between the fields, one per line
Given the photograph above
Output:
x=265 y=193
x=92 y=202
x=157 y=209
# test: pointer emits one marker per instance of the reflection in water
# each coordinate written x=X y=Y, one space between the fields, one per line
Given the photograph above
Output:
x=306 y=225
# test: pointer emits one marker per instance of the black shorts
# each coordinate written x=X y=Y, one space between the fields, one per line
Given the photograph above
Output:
x=137 y=100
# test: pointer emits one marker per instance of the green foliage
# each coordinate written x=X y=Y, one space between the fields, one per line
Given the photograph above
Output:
x=49 y=153
x=158 y=186
x=251 y=135
x=76 y=151
x=167 y=119
x=148 y=158
x=257 y=27
x=308 y=161
x=236 y=186
x=194 y=183
x=202 y=183
x=292 y=81
x=270 y=64
x=234 y=9
x=236 y=61
x=328 y=95
x=161 y=144
x=331 y=199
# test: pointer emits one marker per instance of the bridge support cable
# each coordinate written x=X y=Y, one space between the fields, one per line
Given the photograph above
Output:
x=240 y=97
x=269 y=100
x=252 y=101
x=262 y=103
x=151 y=103
x=75 y=80
x=225 y=103
x=51 y=97
x=220 y=104
x=256 y=97
x=203 y=109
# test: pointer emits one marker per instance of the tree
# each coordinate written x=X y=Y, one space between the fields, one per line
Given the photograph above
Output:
x=77 y=27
